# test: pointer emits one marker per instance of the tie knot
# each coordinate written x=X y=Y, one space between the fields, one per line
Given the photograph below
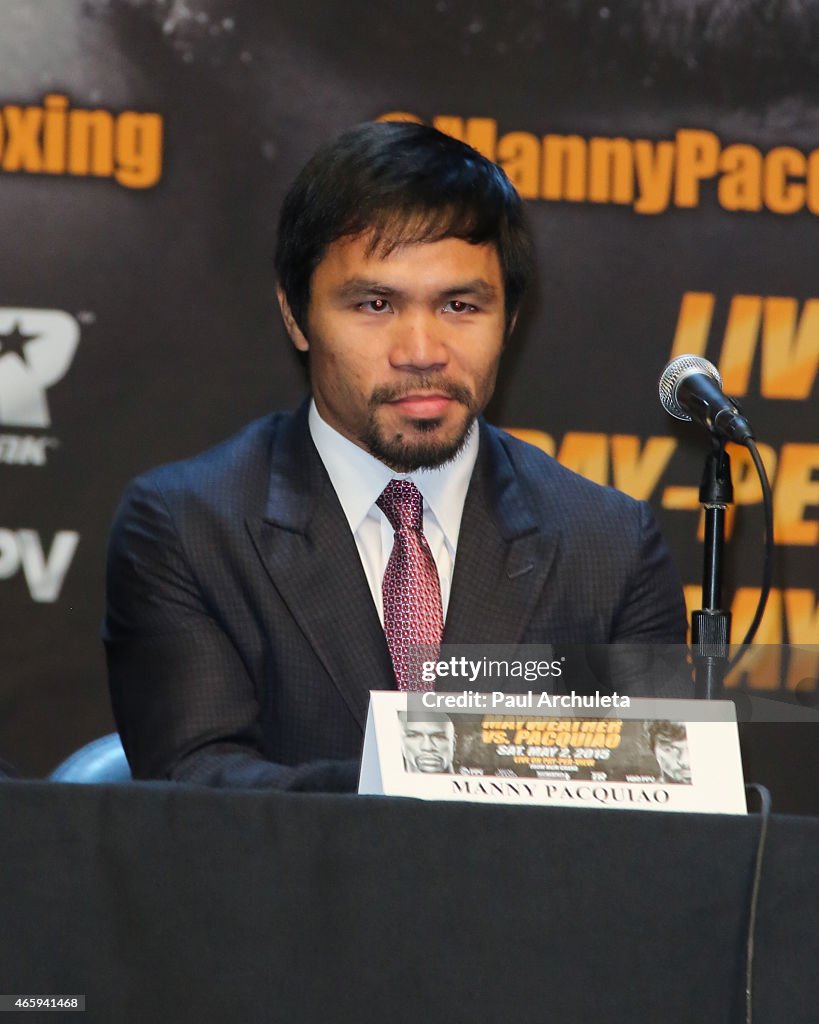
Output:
x=402 y=504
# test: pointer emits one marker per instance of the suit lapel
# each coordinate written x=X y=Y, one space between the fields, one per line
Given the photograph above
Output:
x=305 y=543
x=503 y=556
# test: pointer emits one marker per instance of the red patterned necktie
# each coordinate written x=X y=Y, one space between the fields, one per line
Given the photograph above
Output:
x=411 y=589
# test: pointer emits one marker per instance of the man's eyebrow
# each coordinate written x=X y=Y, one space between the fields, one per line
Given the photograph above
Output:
x=479 y=287
x=357 y=286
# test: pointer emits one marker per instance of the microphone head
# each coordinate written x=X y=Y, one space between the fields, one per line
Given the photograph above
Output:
x=676 y=371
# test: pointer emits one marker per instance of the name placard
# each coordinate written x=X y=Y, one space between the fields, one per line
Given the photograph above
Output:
x=654 y=754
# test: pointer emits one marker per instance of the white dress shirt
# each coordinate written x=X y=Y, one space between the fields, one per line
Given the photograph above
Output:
x=359 y=478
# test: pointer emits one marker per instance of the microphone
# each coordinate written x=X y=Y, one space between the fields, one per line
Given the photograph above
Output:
x=691 y=389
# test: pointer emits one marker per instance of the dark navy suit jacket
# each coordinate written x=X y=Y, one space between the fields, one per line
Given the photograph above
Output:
x=241 y=634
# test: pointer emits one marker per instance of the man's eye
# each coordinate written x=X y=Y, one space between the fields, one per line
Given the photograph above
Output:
x=376 y=306
x=459 y=306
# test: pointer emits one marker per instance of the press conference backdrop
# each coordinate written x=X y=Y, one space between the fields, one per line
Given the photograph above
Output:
x=668 y=157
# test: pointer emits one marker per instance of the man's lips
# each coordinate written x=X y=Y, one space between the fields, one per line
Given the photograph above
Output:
x=423 y=406
x=431 y=762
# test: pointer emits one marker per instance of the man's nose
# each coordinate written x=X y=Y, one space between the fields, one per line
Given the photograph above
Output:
x=427 y=742
x=419 y=343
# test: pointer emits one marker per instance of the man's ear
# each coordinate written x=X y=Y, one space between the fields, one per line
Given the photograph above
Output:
x=293 y=329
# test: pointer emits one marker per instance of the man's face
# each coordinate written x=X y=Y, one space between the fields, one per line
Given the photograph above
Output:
x=428 y=746
x=404 y=349
x=673 y=759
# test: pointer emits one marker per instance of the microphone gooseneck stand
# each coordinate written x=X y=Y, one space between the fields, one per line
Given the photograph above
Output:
x=711 y=625
x=690 y=388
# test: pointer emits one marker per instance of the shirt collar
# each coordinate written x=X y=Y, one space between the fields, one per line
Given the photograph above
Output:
x=359 y=478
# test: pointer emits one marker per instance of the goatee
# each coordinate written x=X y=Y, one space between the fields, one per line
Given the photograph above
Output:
x=405 y=453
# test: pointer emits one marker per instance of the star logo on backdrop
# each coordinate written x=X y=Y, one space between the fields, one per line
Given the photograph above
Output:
x=15 y=341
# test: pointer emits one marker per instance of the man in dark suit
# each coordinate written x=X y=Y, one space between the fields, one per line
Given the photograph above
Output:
x=257 y=592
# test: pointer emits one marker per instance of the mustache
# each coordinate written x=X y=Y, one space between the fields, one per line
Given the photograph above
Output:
x=457 y=392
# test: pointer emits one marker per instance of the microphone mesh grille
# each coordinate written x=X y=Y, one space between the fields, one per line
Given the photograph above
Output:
x=677 y=370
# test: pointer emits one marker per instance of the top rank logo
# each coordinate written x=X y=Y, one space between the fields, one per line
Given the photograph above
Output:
x=37 y=347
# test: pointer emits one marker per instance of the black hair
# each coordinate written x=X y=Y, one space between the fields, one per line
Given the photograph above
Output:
x=404 y=183
x=671 y=732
